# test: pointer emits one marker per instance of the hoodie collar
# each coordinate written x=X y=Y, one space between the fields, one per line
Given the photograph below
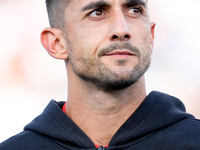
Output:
x=157 y=111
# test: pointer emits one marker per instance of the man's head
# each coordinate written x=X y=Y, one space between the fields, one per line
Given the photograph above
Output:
x=105 y=42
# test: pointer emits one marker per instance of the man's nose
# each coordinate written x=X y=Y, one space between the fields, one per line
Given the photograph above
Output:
x=119 y=30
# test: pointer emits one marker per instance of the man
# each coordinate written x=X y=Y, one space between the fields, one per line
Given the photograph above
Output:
x=107 y=47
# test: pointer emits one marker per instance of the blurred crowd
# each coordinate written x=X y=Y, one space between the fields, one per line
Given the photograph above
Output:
x=30 y=78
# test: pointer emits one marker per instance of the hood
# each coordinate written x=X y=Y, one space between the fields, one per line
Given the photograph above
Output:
x=157 y=111
x=55 y=124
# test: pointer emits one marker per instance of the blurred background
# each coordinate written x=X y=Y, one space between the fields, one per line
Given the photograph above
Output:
x=30 y=78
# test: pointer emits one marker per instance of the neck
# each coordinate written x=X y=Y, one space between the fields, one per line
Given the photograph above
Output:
x=100 y=113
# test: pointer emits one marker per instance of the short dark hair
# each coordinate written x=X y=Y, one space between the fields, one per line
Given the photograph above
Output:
x=56 y=12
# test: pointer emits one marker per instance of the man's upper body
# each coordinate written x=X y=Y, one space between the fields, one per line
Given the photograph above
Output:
x=107 y=47
x=159 y=123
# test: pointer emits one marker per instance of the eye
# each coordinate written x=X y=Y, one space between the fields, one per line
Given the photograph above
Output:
x=135 y=11
x=96 y=13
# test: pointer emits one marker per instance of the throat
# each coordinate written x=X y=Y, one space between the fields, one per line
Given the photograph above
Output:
x=101 y=114
x=101 y=127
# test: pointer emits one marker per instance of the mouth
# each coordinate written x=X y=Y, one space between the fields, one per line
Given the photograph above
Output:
x=120 y=53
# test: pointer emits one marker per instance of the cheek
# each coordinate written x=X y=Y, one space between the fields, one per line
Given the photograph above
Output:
x=81 y=52
x=142 y=39
x=80 y=38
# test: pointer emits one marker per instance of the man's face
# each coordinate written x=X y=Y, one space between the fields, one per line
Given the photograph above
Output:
x=109 y=41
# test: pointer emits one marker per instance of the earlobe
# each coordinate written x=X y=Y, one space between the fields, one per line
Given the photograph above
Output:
x=54 y=42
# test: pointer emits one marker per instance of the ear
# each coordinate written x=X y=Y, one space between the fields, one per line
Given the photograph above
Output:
x=153 y=25
x=54 y=42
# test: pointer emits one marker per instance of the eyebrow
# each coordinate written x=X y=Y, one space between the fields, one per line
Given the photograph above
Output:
x=135 y=3
x=102 y=4
x=94 y=5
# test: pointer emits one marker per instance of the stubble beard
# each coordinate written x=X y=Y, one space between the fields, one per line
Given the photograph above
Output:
x=107 y=79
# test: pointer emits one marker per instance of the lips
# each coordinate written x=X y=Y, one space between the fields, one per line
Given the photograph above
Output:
x=120 y=53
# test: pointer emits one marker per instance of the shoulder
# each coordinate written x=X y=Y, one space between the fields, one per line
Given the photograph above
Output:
x=186 y=132
x=22 y=141
x=189 y=127
x=28 y=140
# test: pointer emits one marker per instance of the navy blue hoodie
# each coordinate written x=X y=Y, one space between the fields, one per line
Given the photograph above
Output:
x=160 y=123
